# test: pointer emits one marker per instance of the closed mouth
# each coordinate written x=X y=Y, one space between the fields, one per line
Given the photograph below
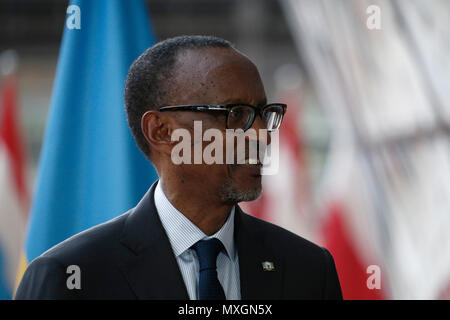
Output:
x=253 y=162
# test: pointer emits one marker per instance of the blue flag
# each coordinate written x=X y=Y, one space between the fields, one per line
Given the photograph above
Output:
x=5 y=290
x=90 y=168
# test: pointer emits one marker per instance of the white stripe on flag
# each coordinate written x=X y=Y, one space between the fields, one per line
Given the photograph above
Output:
x=12 y=224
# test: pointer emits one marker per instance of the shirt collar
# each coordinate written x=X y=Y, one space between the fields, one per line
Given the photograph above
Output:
x=183 y=233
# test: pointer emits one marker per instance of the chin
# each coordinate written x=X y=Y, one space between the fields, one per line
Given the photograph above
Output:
x=234 y=190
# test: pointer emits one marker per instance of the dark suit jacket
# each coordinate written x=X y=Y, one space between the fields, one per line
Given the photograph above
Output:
x=130 y=257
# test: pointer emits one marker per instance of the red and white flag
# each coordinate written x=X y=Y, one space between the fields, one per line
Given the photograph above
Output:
x=14 y=194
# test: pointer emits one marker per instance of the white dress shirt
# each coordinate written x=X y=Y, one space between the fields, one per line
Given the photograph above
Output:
x=183 y=234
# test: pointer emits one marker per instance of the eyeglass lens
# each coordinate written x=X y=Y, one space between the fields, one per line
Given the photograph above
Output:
x=242 y=117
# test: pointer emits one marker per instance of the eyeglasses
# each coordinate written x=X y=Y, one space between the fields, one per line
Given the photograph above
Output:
x=240 y=116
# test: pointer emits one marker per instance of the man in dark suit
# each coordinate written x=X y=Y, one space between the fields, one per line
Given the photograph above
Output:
x=187 y=238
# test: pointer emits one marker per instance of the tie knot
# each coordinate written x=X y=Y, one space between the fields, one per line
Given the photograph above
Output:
x=207 y=251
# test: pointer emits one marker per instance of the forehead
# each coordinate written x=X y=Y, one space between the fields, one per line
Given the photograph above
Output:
x=217 y=75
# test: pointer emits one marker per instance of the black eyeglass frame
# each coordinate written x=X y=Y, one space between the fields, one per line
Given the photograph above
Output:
x=227 y=108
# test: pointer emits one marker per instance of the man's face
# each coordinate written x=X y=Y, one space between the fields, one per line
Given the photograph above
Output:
x=218 y=76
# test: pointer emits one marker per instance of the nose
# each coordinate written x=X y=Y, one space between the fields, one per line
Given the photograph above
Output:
x=264 y=135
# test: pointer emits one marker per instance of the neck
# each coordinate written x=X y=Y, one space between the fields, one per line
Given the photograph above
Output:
x=202 y=207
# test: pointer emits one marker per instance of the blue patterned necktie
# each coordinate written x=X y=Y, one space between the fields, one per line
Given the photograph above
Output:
x=209 y=287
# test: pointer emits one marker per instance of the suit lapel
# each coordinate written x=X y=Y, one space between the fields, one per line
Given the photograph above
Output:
x=253 y=250
x=151 y=268
x=152 y=271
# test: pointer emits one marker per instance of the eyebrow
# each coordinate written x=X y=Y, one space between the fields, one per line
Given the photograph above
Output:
x=262 y=103
x=259 y=105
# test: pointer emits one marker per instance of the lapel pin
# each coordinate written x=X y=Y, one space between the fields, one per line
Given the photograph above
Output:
x=268 y=266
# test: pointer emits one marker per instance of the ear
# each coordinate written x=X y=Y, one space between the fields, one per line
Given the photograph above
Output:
x=157 y=129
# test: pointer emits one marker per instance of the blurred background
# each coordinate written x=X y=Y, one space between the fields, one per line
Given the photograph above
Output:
x=364 y=148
